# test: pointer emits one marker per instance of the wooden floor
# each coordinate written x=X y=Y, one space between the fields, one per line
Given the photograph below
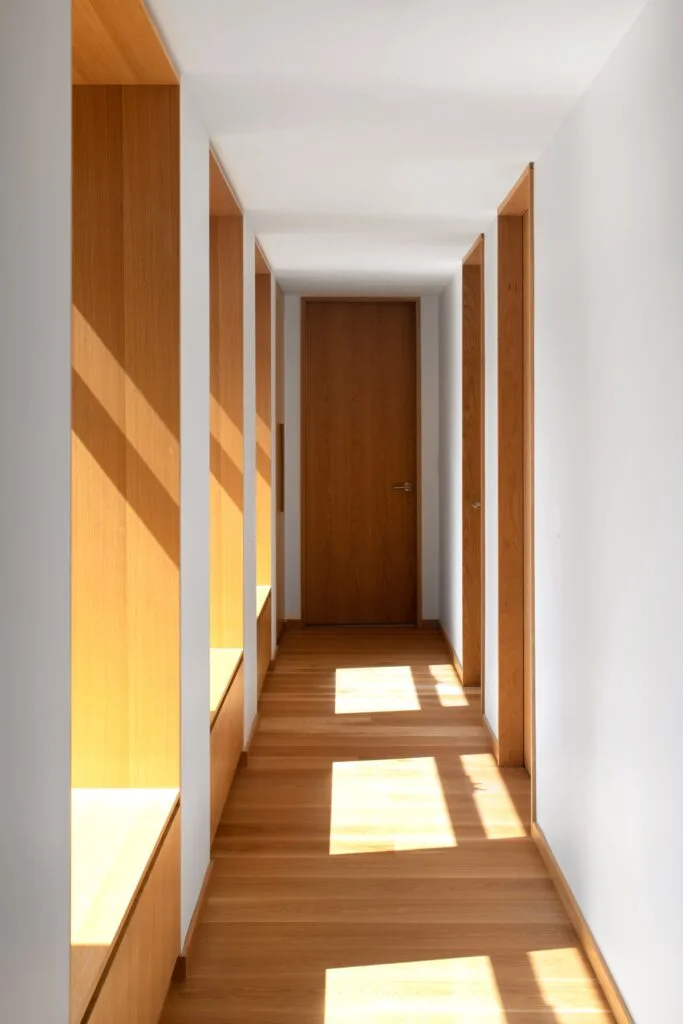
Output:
x=373 y=865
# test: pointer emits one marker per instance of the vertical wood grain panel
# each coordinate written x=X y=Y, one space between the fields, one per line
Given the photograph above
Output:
x=125 y=429
x=359 y=440
x=280 y=418
x=472 y=472
x=529 y=615
x=99 y=678
x=263 y=430
x=511 y=489
x=227 y=438
x=138 y=980
x=227 y=742
x=116 y=43
x=151 y=233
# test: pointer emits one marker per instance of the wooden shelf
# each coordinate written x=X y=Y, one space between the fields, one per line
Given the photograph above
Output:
x=225 y=662
x=115 y=834
x=262 y=595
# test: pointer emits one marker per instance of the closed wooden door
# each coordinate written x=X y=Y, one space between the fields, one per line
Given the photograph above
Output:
x=472 y=490
x=359 y=462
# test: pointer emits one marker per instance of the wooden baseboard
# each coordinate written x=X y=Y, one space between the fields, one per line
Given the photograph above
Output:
x=180 y=969
x=590 y=946
x=292 y=624
x=429 y=624
x=492 y=737
x=454 y=657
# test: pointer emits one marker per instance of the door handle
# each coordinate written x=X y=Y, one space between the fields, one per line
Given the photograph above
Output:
x=403 y=487
x=475 y=504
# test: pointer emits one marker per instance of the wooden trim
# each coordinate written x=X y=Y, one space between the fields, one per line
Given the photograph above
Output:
x=293 y=624
x=261 y=263
x=302 y=433
x=483 y=474
x=586 y=938
x=519 y=198
x=118 y=44
x=529 y=491
x=430 y=624
x=216 y=713
x=475 y=254
x=492 y=736
x=180 y=969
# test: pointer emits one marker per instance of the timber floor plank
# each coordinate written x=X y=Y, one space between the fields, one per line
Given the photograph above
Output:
x=373 y=864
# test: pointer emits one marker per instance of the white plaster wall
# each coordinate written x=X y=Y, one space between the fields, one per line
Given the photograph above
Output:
x=250 y=675
x=450 y=461
x=491 y=476
x=609 y=509
x=35 y=496
x=429 y=371
x=194 y=505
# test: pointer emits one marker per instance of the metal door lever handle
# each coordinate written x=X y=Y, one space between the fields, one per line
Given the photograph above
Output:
x=403 y=487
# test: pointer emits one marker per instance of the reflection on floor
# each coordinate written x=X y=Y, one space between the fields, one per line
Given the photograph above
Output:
x=373 y=864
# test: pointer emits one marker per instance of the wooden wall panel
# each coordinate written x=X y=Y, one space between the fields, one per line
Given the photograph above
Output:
x=227 y=439
x=137 y=982
x=529 y=615
x=263 y=430
x=222 y=202
x=511 y=489
x=227 y=742
x=280 y=454
x=116 y=43
x=125 y=437
x=263 y=642
x=472 y=473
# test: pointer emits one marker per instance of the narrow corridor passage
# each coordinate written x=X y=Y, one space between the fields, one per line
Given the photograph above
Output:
x=373 y=864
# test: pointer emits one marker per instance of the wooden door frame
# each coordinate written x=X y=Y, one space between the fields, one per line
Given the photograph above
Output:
x=476 y=258
x=366 y=299
x=516 y=716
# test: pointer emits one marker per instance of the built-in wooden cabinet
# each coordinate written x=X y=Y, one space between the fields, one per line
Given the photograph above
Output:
x=125 y=591
x=226 y=487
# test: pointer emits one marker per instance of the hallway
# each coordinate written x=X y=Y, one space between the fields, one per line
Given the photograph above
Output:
x=373 y=864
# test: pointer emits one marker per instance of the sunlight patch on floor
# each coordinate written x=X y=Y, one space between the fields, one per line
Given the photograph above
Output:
x=565 y=980
x=392 y=804
x=374 y=690
x=499 y=816
x=457 y=991
x=448 y=687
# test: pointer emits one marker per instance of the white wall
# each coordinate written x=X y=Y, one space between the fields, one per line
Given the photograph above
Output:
x=194 y=505
x=609 y=509
x=35 y=494
x=450 y=461
x=491 y=475
x=250 y=652
x=429 y=346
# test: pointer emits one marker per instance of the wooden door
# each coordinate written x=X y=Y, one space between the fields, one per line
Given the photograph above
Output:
x=472 y=511
x=359 y=406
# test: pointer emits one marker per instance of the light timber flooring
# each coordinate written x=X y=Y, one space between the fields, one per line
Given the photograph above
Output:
x=373 y=864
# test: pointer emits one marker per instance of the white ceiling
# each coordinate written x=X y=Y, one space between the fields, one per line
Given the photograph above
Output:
x=371 y=140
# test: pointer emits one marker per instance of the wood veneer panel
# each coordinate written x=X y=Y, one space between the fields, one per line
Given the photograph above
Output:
x=472 y=472
x=114 y=42
x=529 y=614
x=280 y=443
x=137 y=982
x=263 y=430
x=227 y=743
x=125 y=437
x=511 y=489
x=227 y=439
x=360 y=440
x=464 y=931
x=263 y=641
